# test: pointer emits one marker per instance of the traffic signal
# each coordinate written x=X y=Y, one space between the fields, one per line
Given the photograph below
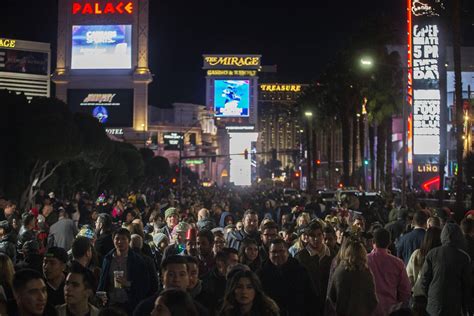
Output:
x=366 y=162
x=318 y=163
x=297 y=174
x=174 y=180
x=246 y=154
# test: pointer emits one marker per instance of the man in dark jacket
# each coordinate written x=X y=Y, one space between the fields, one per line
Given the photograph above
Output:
x=214 y=282
x=7 y=240
x=205 y=221
x=288 y=283
x=250 y=230
x=446 y=275
x=104 y=243
x=32 y=259
x=129 y=288
x=411 y=241
x=317 y=258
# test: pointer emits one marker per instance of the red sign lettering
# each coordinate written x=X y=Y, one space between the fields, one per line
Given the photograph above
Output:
x=96 y=8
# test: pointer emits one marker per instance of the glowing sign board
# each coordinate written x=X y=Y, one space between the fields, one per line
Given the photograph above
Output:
x=231 y=62
x=101 y=47
x=225 y=73
x=7 y=43
x=172 y=140
x=97 y=8
x=111 y=107
x=426 y=90
x=231 y=98
x=280 y=87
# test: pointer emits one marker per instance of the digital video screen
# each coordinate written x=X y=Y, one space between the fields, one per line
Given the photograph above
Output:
x=26 y=62
x=231 y=97
x=101 y=47
x=111 y=107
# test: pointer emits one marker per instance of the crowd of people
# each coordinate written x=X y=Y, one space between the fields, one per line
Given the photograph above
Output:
x=228 y=251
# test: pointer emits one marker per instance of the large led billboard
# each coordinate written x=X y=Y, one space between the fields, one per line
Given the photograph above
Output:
x=101 y=47
x=25 y=62
x=231 y=98
x=111 y=107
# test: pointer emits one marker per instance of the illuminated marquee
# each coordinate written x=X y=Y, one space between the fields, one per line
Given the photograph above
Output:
x=280 y=87
x=96 y=8
x=232 y=62
x=7 y=43
x=426 y=90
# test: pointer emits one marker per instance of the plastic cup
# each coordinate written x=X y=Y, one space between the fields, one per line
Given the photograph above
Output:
x=118 y=274
x=102 y=296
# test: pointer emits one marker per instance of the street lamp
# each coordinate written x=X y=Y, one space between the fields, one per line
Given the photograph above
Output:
x=367 y=62
x=309 y=116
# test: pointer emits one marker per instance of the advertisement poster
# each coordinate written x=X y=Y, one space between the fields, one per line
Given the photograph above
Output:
x=111 y=107
x=101 y=47
x=231 y=98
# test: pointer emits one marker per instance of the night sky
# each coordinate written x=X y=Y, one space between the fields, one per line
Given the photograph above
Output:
x=300 y=37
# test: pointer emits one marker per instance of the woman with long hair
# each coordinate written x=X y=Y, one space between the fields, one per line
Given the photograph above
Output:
x=248 y=254
x=244 y=296
x=431 y=240
x=7 y=271
x=352 y=288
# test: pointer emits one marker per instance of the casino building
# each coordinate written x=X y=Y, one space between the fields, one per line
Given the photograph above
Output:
x=102 y=62
x=280 y=123
x=25 y=67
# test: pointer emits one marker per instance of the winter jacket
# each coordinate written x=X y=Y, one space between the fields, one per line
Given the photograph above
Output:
x=205 y=224
x=62 y=233
x=408 y=243
x=223 y=216
x=235 y=238
x=352 y=292
x=8 y=246
x=446 y=275
x=137 y=274
x=290 y=287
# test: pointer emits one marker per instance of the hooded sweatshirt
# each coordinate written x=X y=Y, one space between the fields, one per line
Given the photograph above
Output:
x=446 y=275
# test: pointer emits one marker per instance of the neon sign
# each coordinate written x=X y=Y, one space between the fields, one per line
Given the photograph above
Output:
x=7 y=43
x=232 y=62
x=426 y=92
x=96 y=8
x=280 y=87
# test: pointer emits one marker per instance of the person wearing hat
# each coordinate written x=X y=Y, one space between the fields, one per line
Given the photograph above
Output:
x=7 y=240
x=191 y=249
x=172 y=220
x=178 y=240
x=54 y=267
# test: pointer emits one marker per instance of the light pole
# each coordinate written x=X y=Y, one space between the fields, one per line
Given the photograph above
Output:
x=309 y=132
x=367 y=62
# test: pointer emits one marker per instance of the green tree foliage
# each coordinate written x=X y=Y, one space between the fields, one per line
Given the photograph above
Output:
x=48 y=147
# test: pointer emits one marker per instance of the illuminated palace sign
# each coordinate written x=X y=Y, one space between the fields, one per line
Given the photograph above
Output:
x=280 y=87
x=97 y=8
x=231 y=62
x=425 y=87
x=7 y=43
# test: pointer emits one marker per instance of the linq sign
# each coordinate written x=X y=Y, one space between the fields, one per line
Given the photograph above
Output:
x=96 y=8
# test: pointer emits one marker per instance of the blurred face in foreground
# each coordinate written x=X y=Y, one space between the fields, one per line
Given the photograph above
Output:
x=31 y=300
x=278 y=254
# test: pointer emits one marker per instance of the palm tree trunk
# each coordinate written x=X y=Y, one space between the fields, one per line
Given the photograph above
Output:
x=362 y=148
x=346 y=149
x=329 y=133
x=355 y=134
x=388 y=155
x=372 y=156
x=381 y=139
